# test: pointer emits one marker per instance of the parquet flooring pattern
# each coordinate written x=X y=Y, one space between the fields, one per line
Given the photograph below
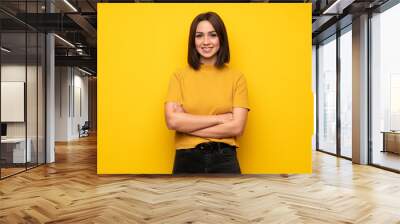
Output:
x=70 y=191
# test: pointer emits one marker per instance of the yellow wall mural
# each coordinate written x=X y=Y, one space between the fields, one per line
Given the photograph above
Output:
x=139 y=47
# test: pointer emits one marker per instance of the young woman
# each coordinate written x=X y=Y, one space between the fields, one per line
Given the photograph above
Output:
x=207 y=102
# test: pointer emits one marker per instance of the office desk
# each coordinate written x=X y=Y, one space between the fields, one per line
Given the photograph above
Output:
x=391 y=141
x=13 y=150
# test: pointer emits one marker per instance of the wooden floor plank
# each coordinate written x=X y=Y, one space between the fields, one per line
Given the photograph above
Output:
x=70 y=191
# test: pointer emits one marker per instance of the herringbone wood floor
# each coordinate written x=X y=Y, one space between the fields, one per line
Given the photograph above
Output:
x=70 y=191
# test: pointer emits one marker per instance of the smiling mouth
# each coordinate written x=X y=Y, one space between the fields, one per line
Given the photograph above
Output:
x=207 y=49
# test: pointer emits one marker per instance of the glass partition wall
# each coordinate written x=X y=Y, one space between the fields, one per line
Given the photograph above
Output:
x=22 y=88
x=345 y=62
x=13 y=110
x=334 y=103
x=327 y=95
x=334 y=90
x=385 y=89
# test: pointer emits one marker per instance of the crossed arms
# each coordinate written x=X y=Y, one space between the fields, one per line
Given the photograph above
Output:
x=206 y=126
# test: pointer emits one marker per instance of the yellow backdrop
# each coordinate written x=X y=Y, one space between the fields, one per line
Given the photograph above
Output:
x=141 y=45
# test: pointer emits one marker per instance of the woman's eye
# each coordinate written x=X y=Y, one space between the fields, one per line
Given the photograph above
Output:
x=213 y=34
x=198 y=35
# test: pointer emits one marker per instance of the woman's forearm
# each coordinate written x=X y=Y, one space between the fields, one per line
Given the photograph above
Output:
x=184 y=122
x=233 y=128
x=226 y=130
x=178 y=120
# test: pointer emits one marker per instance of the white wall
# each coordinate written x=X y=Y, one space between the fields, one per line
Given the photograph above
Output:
x=79 y=117
x=10 y=73
x=62 y=81
x=71 y=94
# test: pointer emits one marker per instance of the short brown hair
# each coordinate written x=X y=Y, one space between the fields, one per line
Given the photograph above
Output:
x=223 y=53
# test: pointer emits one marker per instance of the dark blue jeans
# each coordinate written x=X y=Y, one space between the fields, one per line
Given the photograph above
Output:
x=209 y=157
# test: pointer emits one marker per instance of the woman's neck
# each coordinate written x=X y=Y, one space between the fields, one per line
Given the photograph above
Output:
x=208 y=61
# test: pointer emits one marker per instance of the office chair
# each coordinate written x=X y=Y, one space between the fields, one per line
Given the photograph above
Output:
x=84 y=130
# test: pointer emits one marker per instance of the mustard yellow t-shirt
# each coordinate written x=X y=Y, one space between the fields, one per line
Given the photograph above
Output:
x=207 y=91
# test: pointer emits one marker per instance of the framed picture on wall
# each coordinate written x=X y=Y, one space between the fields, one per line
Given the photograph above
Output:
x=12 y=101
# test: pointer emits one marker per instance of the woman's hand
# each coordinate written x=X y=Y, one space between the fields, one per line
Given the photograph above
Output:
x=178 y=108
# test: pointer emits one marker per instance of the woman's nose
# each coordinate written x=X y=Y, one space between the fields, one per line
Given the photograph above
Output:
x=206 y=40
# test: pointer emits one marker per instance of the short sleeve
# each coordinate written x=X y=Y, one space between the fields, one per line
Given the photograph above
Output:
x=240 y=98
x=174 y=93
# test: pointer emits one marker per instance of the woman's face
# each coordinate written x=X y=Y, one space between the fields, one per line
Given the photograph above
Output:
x=207 y=42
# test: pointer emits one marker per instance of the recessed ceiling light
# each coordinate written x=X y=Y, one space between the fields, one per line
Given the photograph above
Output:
x=84 y=71
x=71 y=6
x=5 y=50
x=337 y=7
x=64 y=40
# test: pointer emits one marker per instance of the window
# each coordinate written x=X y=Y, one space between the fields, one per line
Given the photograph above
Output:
x=346 y=93
x=385 y=88
x=327 y=95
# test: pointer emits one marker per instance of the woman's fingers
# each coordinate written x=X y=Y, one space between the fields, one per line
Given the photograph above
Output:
x=178 y=108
